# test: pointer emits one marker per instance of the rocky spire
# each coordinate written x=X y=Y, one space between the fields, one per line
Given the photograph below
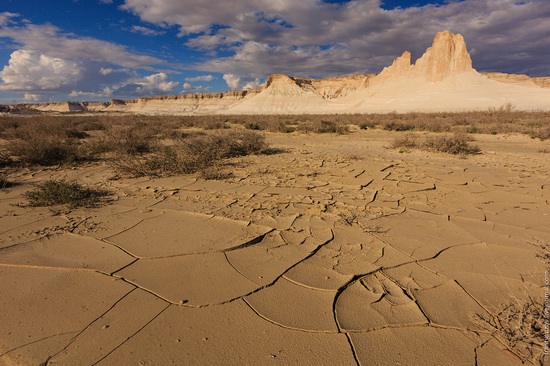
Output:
x=447 y=56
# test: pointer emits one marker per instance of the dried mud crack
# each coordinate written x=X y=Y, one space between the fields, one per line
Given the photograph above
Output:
x=382 y=259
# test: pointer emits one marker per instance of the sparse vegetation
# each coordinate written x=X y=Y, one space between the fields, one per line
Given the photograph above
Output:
x=520 y=323
x=4 y=182
x=200 y=153
x=457 y=144
x=60 y=192
x=408 y=141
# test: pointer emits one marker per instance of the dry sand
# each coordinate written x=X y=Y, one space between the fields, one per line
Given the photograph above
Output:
x=337 y=251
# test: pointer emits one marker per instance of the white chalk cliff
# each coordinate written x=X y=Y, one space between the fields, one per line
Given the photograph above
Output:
x=443 y=79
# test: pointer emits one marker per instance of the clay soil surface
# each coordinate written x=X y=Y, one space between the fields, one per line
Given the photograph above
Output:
x=331 y=250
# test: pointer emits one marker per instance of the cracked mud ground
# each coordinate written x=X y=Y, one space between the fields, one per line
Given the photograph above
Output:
x=336 y=251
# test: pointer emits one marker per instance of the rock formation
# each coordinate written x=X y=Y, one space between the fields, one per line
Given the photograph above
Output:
x=443 y=79
x=447 y=56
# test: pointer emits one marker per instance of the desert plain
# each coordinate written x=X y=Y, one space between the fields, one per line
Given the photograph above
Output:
x=345 y=239
x=325 y=249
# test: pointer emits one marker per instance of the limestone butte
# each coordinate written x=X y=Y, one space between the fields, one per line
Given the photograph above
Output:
x=442 y=79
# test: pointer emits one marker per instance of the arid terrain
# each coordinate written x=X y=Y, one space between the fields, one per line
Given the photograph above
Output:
x=333 y=240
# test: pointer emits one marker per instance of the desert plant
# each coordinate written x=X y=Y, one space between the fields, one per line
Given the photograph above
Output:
x=520 y=325
x=397 y=126
x=4 y=182
x=457 y=144
x=44 y=150
x=60 y=192
x=408 y=141
x=131 y=139
x=192 y=154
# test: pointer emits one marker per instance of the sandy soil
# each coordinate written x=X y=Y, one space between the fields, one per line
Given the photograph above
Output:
x=334 y=251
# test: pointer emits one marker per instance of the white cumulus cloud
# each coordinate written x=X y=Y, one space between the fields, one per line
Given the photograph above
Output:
x=200 y=78
x=240 y=82
x=31 y=70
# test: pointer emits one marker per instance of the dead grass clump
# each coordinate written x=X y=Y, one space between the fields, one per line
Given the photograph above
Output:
x=542 y=133
x=35 y=148
x=60 y=192
x=519 y=325
x=200 y=153
x=214 y=125
x=322 y=126
x=131 y=139
x=397 y=126
x=5 y=158
x=408 y=141
x=4 y=182
x=457 y=144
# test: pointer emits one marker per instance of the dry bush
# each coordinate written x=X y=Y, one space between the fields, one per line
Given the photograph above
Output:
x=130 y=139
x=5 y=158
x=60 y=192
x=397 y=126
x=4 y=182
x=457 y=144
x=193 y=154
x=408 y=141
x=35 y=148
x=321 y=126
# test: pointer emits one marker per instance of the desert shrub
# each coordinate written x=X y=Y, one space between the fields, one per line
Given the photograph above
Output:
x=5 y=158
x=279 y=126
x=342 y=129
x=214 y=125
x=131 y=139
x=74 y=133
x=4 y=182
x=455 y=144
x=397 y=126
x=90 y=125
x=408 y=141
x=542 y=133
x=44 y=150
x=318 y=126
x=367 y=125
x=193 y=154
x=543 y=151
x=60 y=192
x=255 y=126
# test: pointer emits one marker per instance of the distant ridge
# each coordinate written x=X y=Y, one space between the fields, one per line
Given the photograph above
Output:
x=442 y=79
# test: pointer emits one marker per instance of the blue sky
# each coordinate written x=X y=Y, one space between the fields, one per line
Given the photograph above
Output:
x=104 y=49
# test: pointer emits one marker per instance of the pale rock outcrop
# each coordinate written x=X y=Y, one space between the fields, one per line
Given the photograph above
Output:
x=520 y=79
x=447 y=56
